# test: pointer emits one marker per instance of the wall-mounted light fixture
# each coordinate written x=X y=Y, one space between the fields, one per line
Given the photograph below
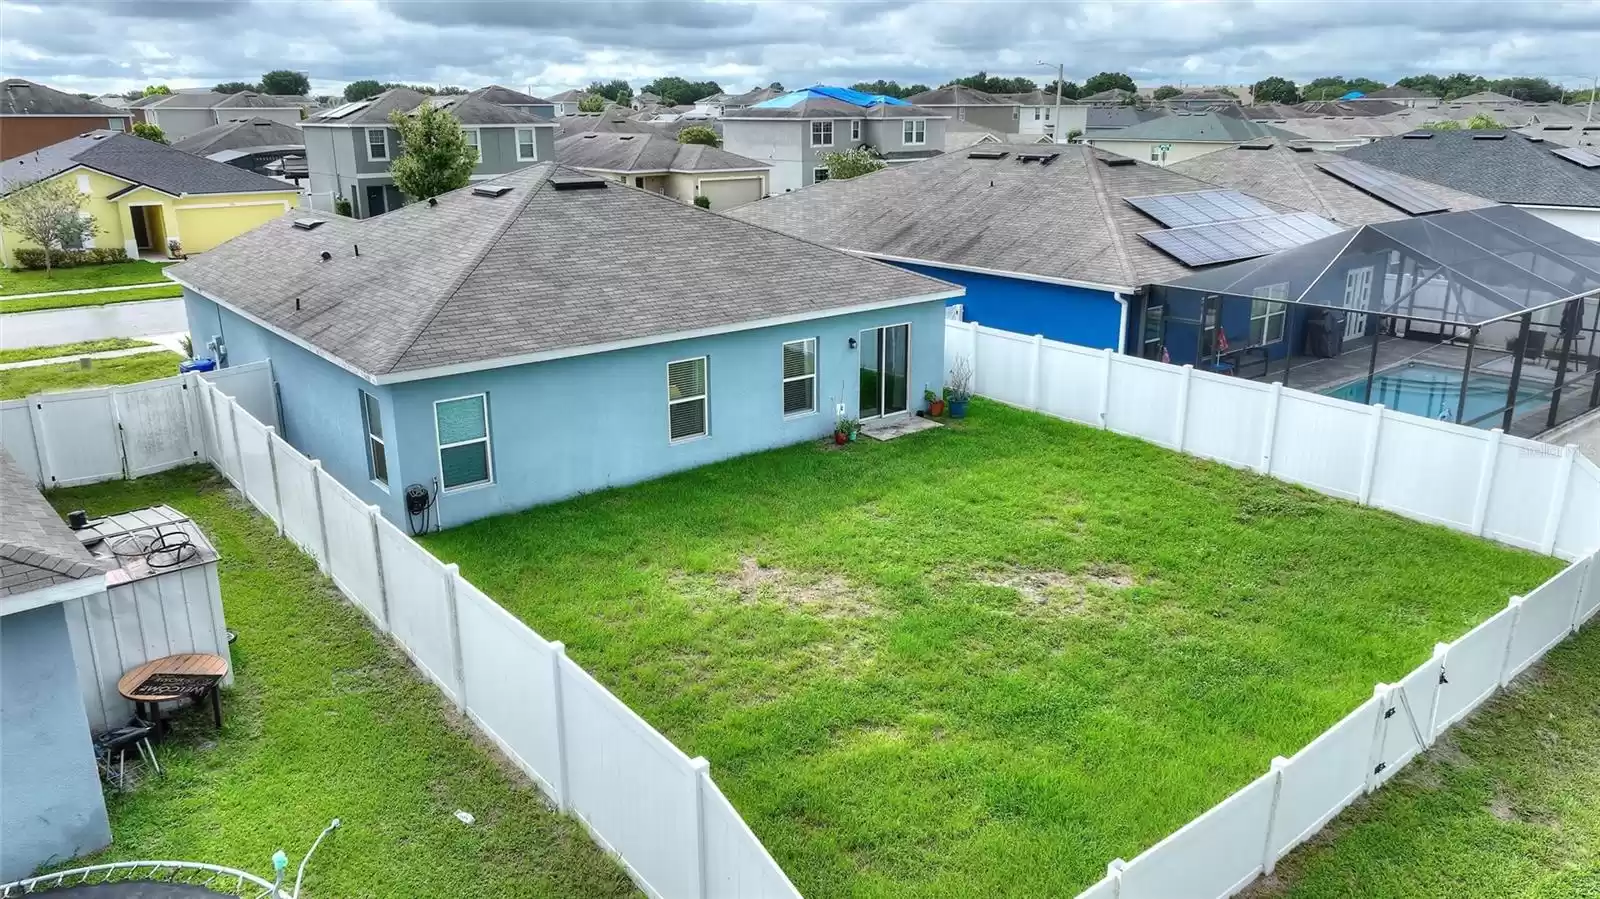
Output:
x=852 y=343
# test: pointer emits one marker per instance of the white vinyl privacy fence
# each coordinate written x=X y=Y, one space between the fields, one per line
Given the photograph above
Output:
x=1516 y=491
x=654 y=808
x=1519 y=492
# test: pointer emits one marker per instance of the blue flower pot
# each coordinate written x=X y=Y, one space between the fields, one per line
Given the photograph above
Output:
x=958 y=408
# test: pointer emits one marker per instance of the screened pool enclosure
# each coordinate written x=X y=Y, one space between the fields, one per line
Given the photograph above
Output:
x=1504 y=302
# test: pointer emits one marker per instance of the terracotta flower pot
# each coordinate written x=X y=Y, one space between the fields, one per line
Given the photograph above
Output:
x=839 y=438
x=936 y=408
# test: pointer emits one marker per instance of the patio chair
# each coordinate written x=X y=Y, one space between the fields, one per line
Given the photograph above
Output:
x=111 y=752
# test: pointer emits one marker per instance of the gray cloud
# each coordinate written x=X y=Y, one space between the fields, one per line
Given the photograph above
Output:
x=555 y=45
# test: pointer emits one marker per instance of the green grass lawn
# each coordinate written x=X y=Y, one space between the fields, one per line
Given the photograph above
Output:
x=1507 y=806
x=19 y=382
x=97 y=298
x=71 y=349
x=328 y=720
x=138 y=271
x=988 y=659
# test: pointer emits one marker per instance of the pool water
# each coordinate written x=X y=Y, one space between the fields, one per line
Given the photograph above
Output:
x=1433 y=391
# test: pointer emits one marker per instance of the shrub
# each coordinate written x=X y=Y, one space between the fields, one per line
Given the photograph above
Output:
x=703 y=202
x=33 y=257
x=342 y=207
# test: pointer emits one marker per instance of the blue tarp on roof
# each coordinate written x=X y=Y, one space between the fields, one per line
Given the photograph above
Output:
x=844 y=94
x=1353 y=95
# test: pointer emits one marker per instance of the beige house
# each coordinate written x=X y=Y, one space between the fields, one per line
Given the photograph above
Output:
x=664 y=166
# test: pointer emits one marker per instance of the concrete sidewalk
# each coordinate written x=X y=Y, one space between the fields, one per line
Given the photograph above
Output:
x=68 y=293
x=103 y=354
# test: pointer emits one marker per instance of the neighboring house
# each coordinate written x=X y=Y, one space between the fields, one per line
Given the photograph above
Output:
x=794 y=131
x=566 y=102
x=1183 y=135
x=187 y=112
x=349 y=148
x=963 y=104
x=143 y=194
x=1485 y=98
x=1201 y=100
x=1105 y=119
x=1114 y=97
x=716 y=105
x=251 y=143
x=34 y=116
x=617 y=120
x=1037 y=113
x=1558 y=184
x=1044 y=238
x=643 y=99
x=521 y=342
x=664 y=166
x=1565 y=134
x=1404 y=96
x=505 y=96
x=53 y=809
x=115 y=101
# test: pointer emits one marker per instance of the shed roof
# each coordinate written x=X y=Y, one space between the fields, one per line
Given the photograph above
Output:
x=137 y=160
x=37 y=549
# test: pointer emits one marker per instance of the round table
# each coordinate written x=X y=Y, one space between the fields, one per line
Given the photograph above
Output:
x=184 y=663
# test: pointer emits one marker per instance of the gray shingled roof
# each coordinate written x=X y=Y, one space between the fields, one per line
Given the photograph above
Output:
x=646 y=153
x=1063 y=220
x=571 y=96
x=240 y=135
x=375 y=112
x=37 y=549
x=1199 y=126
x=819 y=106
x=958 y=95
x=1292 y=178
x=138 y=160
x=19 y=96
x=1396 y=93
x=476 y=108
x=505 y=96
x=476 y=280
x=215 y=100
x=1513 y=170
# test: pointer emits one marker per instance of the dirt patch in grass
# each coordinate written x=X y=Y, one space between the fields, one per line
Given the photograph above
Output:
x=825 y=596
x=1058 y=592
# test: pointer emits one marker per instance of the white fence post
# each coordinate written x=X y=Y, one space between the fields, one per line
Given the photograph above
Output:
x=1441 y=651
x=1269 y=431
x=41 y=443
x=191 y=417
x=1480 y=503
x=272 y=466
x=1558 y=501
x=1269 y=858
x=377 y=557
x=1369 y=461
x=458 y=663
x=1585 y=583
x=1375 y=765
x=1036 y=372
x=1114 y=871
x=1511 y=638
x=1105 y=387
x=322 y=521
x=972 y=360
x=238 y=448
x=1182 y=423
x=558 y=651
x=699 y=773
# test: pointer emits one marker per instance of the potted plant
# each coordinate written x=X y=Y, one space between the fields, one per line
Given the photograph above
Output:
x=959 y=389
x=845 y=430
x=174 y=248
x=935 y=403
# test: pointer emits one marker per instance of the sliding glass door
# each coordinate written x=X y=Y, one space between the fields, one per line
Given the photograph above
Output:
x=885 y=370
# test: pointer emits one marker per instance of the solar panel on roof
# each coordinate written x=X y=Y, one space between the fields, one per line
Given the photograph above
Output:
x=1216 y=242
x=1581 y=157
x=1199 y=207
x=1383 y=185
x=348 y=108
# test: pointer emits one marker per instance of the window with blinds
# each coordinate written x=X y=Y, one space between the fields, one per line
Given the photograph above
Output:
x=800 y=377
x=377 y=464
x=687 y=399
x=465 y=458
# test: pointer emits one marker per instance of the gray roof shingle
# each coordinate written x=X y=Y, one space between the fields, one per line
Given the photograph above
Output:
x=505 y=96
x=241 y=134
x=818 y=106
x=1199 y=126
x=957 y=95
x=646 y=153
x=1513 y=170
x=19 y=96
x=37 y=549
x=477 y=280
x=138 y=160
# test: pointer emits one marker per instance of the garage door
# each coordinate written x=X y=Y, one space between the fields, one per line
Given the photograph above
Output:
x=728 y=193
x=202 y=229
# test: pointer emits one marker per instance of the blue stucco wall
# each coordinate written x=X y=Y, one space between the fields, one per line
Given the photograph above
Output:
x=1079 y=315
x=52 y=807
x=319 y=406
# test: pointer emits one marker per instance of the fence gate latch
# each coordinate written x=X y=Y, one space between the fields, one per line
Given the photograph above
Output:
x=1389 y=712
x=1379 y=769
x=1442 y=678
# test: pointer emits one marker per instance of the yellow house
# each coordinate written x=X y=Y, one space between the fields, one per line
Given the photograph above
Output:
x=143 y=194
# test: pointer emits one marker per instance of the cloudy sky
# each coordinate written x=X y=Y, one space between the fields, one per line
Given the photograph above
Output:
x=117 y=45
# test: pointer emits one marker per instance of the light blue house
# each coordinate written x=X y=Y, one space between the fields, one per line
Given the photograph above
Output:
x=549 y=333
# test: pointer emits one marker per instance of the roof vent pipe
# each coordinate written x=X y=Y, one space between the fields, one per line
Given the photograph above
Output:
x=358 y=248
x=326 y=255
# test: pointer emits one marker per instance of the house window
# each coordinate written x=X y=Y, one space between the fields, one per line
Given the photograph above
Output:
x=821 y=134
x=377 y=144
x=1047 y=114
x=800 y=377
x=527 y=147
x=83 y=183
x=471 y=134
x=1267 y=317
x=855 y=129
x=819 y=175
x=686 y=399
x=462 y=429
x=377 y=463
x=914 y=131
x=1158 y=153
x=1036 y=113
x=116 y=124
x=961 y=113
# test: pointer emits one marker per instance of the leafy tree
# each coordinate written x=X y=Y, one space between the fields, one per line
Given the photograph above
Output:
x=1461 y=84
x=592 y=103
x=889 y=88
x=154 y=89
x=776 y=86
x=1427 y=84
x=234 y=87
x=1330 y=87
x=1529 y=90
x=1275 y=90
x=616 y=90
x=675 y=91
x=1364 y=85
x=365 y=89
x=450 y=90
x=1106 y=81
x=995 y=84
x=1165 y=91
x=1074 y=134
x=1069 y=89
x=49 y=213
x=286 y=83
x=699 y=134
x=149 y=131
x=851 y=163
x=1446 y=125
x=436 y=157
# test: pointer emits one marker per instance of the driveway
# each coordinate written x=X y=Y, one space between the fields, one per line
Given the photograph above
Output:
x=52 y=326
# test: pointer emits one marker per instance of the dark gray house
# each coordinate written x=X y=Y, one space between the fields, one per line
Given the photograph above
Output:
x=964 y=104
x=349 y=148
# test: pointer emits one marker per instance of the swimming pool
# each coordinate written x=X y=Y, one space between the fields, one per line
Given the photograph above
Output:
x=1433 y=391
